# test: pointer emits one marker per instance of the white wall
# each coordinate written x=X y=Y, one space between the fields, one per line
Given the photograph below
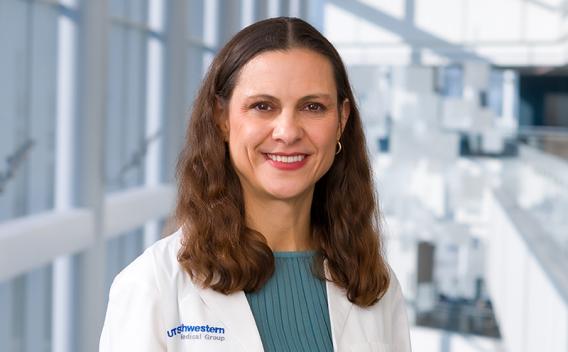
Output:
x=530 y=302
x=505 y=32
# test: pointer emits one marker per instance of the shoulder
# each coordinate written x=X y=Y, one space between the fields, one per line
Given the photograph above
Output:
x=392 y=305
x=136 y=313
x=394 y=291
x=383 y=324
x=157 y=262
x=393 y=310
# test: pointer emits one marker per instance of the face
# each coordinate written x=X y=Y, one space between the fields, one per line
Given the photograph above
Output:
x=283 y=122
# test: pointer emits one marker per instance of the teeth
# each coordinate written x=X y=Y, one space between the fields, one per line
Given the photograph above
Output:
x=286 y=159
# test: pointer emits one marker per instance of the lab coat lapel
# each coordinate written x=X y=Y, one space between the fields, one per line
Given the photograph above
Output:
x=339 y=309
x=235 y=313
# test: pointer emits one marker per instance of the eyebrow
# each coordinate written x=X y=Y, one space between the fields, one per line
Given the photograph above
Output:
x=305 y=98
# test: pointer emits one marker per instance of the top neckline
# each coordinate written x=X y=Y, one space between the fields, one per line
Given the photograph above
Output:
x=294 y=254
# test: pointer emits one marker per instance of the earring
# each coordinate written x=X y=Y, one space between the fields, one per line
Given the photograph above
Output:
x=339 y=148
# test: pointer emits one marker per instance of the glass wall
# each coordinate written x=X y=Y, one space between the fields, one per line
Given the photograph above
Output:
x=126 y=143
x=25 y=304
x=30 y=70
x=28 y=67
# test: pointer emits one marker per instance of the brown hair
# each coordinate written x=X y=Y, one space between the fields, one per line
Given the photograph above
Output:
x=218 y=249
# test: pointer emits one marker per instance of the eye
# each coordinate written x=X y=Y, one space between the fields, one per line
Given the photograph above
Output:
x=314 y=107
x=262 y=106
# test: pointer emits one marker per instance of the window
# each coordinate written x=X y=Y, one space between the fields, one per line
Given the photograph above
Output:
x=29 y=41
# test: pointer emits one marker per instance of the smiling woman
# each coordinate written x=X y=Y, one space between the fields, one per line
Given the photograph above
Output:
x=282 y=124
x=279 y=241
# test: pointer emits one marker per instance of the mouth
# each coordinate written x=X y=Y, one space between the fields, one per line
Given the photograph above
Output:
x=288 y=159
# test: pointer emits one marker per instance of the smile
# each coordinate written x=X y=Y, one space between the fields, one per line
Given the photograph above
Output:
x=286 y=158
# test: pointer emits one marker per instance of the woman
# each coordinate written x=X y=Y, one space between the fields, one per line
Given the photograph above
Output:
x=279 y=244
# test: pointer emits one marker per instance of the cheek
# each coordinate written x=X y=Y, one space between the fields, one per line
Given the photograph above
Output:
x=244 y=135
x=244 y=138
x=325 y=136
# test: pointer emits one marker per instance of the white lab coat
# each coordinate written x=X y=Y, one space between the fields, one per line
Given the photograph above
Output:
x=154 y=306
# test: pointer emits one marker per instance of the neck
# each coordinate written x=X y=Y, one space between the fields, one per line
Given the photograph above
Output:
x=284 y=223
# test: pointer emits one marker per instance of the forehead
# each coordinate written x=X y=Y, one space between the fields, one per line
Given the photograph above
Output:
x=287 y=73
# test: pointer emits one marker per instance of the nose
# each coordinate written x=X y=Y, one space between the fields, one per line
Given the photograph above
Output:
x=287 y=128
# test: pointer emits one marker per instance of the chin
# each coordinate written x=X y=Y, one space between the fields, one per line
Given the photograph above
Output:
x=287 y=193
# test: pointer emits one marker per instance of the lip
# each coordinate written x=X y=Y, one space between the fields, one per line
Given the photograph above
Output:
x=287 y=166
x=286 y=154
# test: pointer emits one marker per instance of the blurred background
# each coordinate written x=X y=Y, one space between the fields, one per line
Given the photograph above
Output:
x=465 y=105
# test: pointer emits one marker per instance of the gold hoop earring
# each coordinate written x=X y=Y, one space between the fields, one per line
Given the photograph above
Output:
x=339 y=148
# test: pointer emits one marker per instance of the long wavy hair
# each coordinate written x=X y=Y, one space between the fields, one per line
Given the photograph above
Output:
x=218 y=249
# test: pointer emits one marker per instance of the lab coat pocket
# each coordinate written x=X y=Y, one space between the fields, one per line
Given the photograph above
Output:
x=373 y=346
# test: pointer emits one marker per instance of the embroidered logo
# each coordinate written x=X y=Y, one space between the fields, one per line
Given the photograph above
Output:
x=197 y=332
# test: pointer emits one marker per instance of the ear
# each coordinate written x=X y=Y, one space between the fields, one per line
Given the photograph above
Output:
x=345 y=111
x=221 y=118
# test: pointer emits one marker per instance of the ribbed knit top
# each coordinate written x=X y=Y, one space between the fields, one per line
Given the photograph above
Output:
x=291 y=310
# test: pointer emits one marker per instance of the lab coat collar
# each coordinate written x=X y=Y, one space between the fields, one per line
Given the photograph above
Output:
x=339 y=308
x=234 y=311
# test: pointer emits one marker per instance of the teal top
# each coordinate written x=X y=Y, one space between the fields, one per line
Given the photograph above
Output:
x=291 y=311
